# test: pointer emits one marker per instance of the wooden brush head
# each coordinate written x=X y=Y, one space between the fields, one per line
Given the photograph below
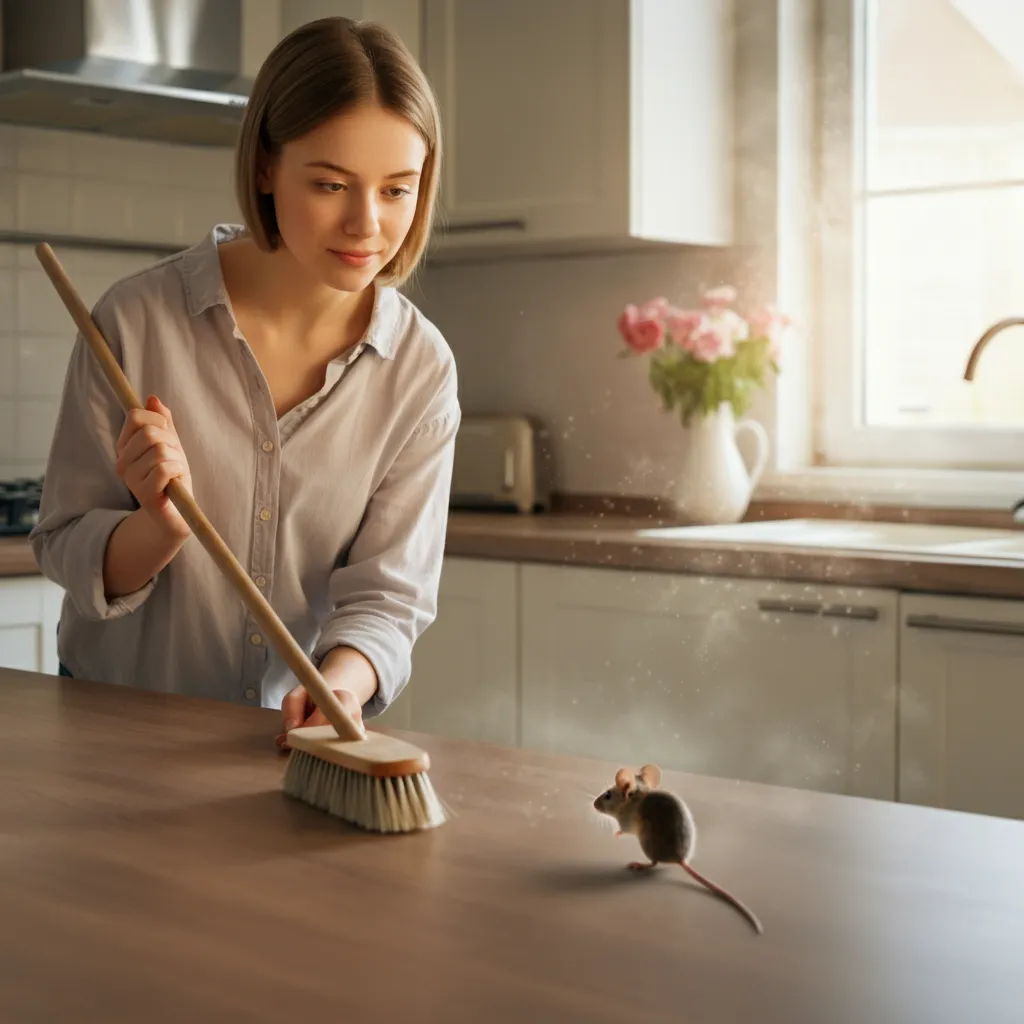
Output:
x=377 y=755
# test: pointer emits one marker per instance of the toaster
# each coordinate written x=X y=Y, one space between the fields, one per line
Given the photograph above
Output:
x=501 y=462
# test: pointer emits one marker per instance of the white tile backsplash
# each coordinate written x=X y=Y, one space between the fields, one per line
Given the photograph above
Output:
x=98 y=211
x=35 y=419
x=7 y=317
x=36 y=357
x=80 y=184
x=8 y=365
x=46 y=151
x=8 y=205
x=8 y=446
x=149 y=217
x=43 y=203
x=7 y=137
x=37 y=312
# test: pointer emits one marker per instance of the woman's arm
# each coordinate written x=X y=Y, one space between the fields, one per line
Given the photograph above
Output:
x=385 y=595
x=84 y=502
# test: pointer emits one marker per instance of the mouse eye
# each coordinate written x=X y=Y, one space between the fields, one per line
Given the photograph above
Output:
x=607 y=794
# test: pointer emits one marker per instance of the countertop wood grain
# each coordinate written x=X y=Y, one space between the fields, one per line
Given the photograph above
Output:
x=16 y=557
x=623 y=542
x=151 y=869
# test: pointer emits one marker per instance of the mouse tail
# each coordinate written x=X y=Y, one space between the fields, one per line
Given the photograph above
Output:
x=727 y=896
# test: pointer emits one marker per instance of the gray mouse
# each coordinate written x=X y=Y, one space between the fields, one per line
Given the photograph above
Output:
x=662 y=823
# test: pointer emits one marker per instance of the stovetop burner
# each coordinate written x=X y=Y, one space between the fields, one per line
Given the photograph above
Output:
x=19 y=505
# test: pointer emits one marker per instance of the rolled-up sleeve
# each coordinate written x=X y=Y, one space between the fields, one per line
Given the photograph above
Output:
x=385 y=594
x=83 y=499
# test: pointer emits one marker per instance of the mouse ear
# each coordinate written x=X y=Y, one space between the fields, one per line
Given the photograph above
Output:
x=624 y=780
x=650 y=775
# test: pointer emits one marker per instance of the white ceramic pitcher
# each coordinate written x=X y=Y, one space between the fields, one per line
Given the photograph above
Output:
x=715 y=485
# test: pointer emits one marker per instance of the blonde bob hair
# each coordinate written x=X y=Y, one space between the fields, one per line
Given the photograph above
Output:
x=316 y=72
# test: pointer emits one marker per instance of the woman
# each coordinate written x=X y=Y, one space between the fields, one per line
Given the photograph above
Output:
x=306 y=403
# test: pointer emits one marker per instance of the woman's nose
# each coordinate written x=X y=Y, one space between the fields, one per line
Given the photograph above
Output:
x=361 y=217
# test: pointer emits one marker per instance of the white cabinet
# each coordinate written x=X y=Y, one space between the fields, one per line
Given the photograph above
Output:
x=29 y=613
x=582 y=124
x=787 y=684
x=465 y=667
x=961 y=718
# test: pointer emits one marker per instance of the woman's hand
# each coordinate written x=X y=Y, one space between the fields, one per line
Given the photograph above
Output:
x=298 y=709
x=149 y=457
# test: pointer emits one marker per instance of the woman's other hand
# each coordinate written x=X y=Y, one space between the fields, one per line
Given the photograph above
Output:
x=149 y=457
x=298 y=709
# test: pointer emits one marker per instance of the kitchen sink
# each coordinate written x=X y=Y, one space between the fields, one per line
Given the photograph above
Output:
x=958 y=541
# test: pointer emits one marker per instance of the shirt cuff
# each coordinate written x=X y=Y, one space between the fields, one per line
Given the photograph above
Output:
x=379 y=646
x=86 y=548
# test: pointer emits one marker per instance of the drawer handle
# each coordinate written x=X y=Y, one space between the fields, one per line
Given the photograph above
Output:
x=864 y=612
x=767 y=604
x=469 y=226
x=954 y=625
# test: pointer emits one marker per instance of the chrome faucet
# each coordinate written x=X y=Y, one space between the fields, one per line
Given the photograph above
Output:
x=979 y=345
x=972 y=365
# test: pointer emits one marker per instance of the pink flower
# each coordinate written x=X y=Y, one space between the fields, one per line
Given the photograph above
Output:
x=641 y=331
x=713 y=340
x=682 y=323
x=768 y=322
x=654 y=309
x=733 y=325
x=719 y=298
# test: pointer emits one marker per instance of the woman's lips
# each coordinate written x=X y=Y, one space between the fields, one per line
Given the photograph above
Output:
x=355 y=258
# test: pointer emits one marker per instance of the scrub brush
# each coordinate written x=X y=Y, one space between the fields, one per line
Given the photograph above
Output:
x=377 y=782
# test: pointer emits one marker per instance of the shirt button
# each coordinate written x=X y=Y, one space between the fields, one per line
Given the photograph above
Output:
x=250 y=694
x=261 y=581
x=268 y=446
x=264 y=514
x=256 y=639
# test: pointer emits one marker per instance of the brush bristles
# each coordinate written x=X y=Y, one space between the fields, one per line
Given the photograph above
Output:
x=405 y=803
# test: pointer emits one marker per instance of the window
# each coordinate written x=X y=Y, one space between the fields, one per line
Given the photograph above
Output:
x=921 y=145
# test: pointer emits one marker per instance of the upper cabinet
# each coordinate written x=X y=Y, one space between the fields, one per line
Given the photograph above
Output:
x=582 y=124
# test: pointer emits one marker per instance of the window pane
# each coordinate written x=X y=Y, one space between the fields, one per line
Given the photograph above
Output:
x=945 y=92
x=939 y=269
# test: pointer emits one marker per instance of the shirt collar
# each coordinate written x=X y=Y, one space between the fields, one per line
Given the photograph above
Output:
x=204 y=288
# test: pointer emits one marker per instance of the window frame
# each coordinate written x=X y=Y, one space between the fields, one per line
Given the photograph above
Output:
x=842 y=439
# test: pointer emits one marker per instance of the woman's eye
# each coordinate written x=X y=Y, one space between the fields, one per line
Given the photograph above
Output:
x=397 y=193
x=330 y=186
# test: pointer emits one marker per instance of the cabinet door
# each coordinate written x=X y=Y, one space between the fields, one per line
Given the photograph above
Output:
x=534 y=100
x=961 y=711
x=465 y=666
x=762 y=681
x=29 y=612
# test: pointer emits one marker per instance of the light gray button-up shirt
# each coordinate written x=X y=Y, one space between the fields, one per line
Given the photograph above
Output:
x=338 y=510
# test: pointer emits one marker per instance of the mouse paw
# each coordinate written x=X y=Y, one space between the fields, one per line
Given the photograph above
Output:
x=639 y=866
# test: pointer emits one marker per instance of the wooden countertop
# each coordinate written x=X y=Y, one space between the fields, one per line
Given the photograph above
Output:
x=151 y=868
x=16 y=557
x=615 y=541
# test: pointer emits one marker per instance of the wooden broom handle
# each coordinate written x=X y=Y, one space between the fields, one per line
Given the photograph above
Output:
x=295 y=657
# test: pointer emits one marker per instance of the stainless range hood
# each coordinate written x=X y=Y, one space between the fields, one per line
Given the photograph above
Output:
x=167 y=70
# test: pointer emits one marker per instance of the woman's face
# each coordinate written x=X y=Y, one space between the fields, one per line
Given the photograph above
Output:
x=345 y=194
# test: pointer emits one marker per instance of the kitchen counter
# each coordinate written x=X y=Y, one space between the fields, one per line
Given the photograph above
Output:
x=623 y=542
x=637 y=543
x=16 y=557
x=153 y=869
